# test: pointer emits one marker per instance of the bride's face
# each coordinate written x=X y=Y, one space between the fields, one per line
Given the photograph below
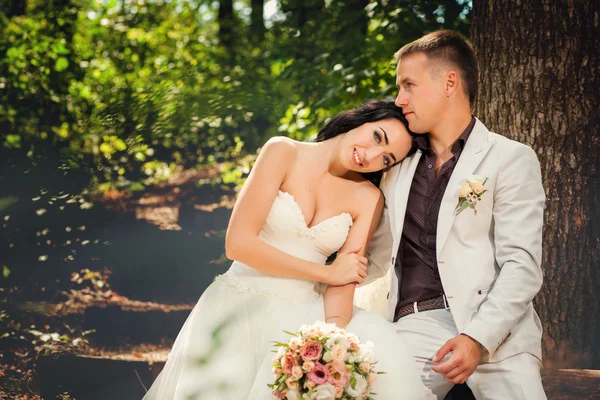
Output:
x=374 y=146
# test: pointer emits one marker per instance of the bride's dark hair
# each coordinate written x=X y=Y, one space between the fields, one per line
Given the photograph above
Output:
x=369 y=111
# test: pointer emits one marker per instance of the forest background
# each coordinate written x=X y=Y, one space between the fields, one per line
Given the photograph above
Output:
x=127 y=126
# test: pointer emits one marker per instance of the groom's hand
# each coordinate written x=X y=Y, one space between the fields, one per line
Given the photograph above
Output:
x=465 y=358
x=348 y=267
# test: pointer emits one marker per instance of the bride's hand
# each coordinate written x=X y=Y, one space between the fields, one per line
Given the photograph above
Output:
x=347 y=268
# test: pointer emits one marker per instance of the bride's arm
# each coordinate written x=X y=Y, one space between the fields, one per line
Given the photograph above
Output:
x=339 y=299
x=251 y=210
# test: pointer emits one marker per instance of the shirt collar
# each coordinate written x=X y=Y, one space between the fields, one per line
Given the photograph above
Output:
x=422 y=141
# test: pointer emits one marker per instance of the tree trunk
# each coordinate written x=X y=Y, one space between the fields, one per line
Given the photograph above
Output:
x=539 y=84
x=226 y=23
x=257 y=26
x=13 y=8
x=353 y=29
x=304 y=16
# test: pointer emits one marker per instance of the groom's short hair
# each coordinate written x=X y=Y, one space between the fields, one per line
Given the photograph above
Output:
x=447 y=47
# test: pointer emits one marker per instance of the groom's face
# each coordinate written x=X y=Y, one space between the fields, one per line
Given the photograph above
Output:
x=420 y=92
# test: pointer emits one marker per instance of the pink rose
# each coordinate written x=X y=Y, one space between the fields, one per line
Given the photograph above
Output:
x=365 y=367
x=339 y=392
x=371 y=379
x=338 y=374
x=478 y=188
x=311 y=351
x=354 y=346
x=464 y=190
x=309 y=384
x=308 y=366
x=319 y=374
x=292 y=384
x=289 y=362
x=280 y=395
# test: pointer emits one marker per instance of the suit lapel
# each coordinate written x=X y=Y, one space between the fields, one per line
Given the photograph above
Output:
x=476 y=148
x=401 y=191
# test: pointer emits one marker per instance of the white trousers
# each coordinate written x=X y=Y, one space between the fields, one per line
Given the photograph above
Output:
x=515 y=378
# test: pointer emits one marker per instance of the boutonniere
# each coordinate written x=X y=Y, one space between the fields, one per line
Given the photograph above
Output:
x=469 y=194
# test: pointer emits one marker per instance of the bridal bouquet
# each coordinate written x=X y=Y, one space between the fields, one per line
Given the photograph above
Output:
x=323 y=362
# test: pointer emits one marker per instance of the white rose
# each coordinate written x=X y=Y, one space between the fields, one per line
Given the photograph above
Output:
x=352 y=337
x=297 y=372
x=323 y=327
x=337 y=338
x=327 y=357
x=476 y=179
x=325 y=391
x=281 y=352
x=308 y=366
x=293 y=395
x=352 y=358
x=296 y=343
x=339 y=352
x=292 y=384
x=367 y=352
x=360 y=388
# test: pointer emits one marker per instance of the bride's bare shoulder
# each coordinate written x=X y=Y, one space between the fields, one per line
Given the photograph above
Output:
x=366 y=195
x=282 y=143
x=280 y=147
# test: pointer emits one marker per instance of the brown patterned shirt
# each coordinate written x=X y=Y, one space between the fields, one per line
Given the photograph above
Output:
x=417 y=253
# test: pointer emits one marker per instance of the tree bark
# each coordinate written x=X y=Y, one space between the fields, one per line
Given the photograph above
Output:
x=13 y=8
x=353 y=29
x=304 y=16
x=539 y=84
x=226 y=23
x=257 y=25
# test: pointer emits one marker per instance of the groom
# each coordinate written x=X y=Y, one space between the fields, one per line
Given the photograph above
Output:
x=462 y=233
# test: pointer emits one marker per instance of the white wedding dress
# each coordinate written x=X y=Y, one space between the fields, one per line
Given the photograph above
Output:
x=224 y=349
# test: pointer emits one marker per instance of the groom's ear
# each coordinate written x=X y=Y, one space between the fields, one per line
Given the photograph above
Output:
x=452 y=81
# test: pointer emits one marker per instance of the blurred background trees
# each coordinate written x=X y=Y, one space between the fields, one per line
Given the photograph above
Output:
x=132 y=90
x=108 y=107
x=125 y=128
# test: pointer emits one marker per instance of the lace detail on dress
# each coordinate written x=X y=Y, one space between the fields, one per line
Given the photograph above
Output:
x=313 y=232
x=245 y=287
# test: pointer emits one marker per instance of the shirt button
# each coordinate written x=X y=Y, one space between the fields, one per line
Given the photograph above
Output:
x=430 y=166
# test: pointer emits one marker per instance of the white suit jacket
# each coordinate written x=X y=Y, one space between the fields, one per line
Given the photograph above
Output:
x=489 y=262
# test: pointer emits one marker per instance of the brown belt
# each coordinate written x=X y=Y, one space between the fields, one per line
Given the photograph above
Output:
x=430 y=304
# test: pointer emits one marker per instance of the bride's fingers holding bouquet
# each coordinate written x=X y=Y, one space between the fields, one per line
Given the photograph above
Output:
x=348 y=267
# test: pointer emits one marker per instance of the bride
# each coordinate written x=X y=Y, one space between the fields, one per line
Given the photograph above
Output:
x=301 y=203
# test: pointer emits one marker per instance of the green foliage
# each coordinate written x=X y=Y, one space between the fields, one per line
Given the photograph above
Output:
x=135 y=90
